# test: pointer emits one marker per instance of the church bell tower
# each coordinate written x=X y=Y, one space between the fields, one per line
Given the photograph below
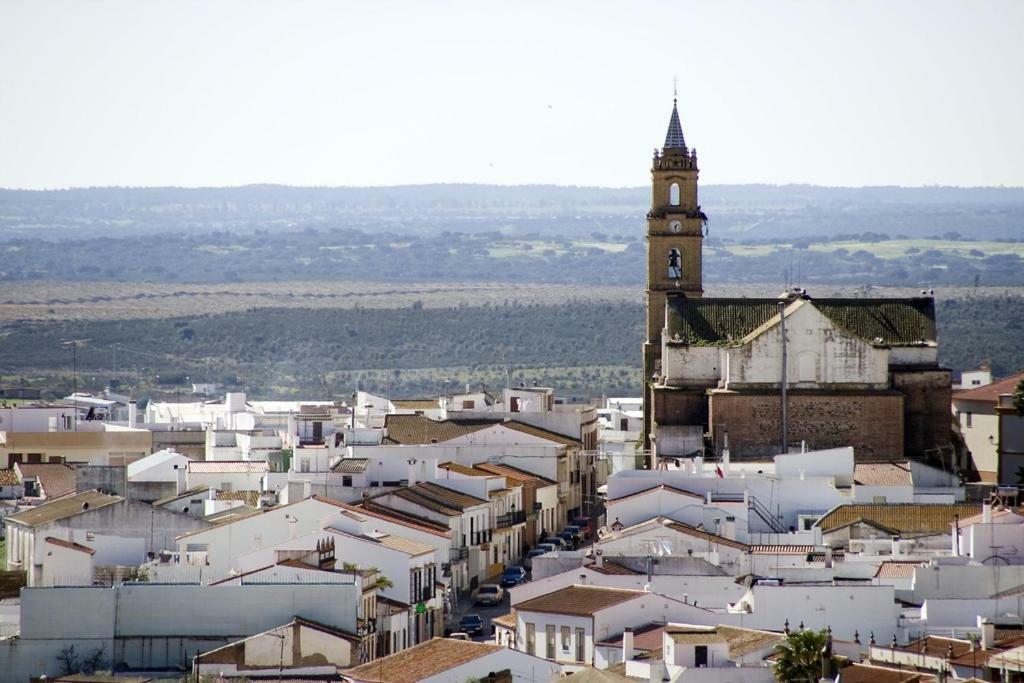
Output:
x=675 y=235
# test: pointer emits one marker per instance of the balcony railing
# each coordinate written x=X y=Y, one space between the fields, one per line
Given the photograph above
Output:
x=510 y=519
x=459 y=554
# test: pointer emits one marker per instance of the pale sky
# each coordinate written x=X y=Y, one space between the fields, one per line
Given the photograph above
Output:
x=381 y=92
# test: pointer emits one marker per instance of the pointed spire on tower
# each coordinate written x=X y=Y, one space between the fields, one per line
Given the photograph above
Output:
x=674 y=137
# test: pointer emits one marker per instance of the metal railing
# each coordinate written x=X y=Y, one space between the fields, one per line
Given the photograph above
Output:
x=457 y=554
x=509 y=519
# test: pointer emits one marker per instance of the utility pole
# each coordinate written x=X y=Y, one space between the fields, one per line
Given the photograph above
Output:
x=784 y=427
x=73 y=343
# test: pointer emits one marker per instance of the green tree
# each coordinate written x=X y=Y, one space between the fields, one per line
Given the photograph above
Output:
x=799 y=658
x=1018 y=397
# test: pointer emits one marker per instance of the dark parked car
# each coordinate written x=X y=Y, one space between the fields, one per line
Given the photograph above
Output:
x=584 y=524
x=535 y=552
x=472 y=624
x=555 y=541
x=569 y=538
x=512 y=576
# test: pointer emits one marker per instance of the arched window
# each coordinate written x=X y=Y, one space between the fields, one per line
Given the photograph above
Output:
x=673 y=194
x=675 y=263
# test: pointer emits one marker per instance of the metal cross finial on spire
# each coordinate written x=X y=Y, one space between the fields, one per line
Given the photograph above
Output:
x=675 y=89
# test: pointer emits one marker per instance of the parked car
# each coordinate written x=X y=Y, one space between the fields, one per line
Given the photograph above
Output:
x=512 y=576
x=534 y=552
x=545 y=547
x=488 y=594
x=555 y=541
x=471 y=624
x=576 y=531
x=584 y=524
x=569 y=538
x=460 y=635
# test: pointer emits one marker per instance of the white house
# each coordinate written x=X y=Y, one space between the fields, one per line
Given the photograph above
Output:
x=297 y=649
x=227 y=475
x=564 y=625
x=118 y=530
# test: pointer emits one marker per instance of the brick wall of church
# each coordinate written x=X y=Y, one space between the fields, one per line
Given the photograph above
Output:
x=871 y=422
x=926 y=411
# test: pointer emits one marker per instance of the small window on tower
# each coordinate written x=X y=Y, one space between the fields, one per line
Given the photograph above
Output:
x=673 y=194
x=675 y=264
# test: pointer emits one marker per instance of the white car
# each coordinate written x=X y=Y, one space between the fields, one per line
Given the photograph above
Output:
x=488 y=594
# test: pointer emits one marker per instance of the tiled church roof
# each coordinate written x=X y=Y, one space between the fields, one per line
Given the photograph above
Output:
x=722 y=322
x=674 y=136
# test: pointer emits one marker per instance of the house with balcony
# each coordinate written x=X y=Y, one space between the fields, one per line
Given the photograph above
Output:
x=468 y=518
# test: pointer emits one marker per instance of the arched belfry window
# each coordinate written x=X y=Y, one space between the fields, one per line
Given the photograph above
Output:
x=673 y=194
x=675 y=263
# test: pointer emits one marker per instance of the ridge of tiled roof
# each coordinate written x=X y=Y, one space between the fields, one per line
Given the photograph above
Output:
x=906 y=518
x=510 y=472
x=68 y=506
x=656 y=487
x=418 y=430
x=578 y=600
x=725 y=321
x=184 y=494
x=9 y=477
x=990 y=392
x=707 y=536
x=897 y=569
x=387 y=514
x=421 y=661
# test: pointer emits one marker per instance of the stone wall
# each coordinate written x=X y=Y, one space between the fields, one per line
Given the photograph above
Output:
x=926 y=412
x=870 y=422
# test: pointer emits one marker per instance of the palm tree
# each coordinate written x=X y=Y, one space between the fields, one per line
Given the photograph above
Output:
x=799 y=658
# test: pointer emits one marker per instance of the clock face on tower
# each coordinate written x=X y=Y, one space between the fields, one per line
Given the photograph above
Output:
x=675 y=226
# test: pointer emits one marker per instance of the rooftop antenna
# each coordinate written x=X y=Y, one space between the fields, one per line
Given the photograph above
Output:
x=73 y=343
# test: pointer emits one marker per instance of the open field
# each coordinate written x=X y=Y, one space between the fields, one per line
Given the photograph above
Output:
x=890 y=249
x=131 y=301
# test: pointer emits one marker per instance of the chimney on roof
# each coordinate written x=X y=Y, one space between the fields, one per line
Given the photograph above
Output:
x=133 y=414
x=599 y=557
x=627 y=645
x=988 y=633
x=180 y=473
x=986 y=513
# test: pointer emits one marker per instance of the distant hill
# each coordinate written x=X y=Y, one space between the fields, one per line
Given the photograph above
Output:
x=741 y=211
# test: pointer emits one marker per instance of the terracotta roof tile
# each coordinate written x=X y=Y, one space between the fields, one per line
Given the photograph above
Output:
x=782 y=549
x=416 y=403
x=646 y=637
x=906 y=518
x=611 y=567
x=227 y=466
x=513 y=473
x=416 y=429
x=882 y=474
x=862 y=673
x=990 y=392
x=9 y=478
x=578 y=600
x=421 y=661
x=707 y=536
x=894 y=569
x=56 y=479
x=250 y=498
